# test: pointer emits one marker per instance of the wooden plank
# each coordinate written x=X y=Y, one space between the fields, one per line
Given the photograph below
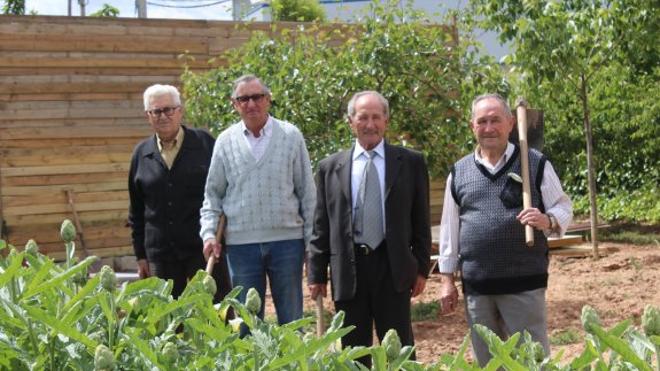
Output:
x=61 y=142
x=567 y=240
x=104 y=252
x=84 y=132
x=46 y=199
x=64 y=169
x=101 y=71
x=64 y=179
x=101 y=62
x=62 y=208
x=12 y=157
x=77 y=122
x=50 y=233
x=85 y=216
x=70 y=96
x=584 y=251
x=104 y=43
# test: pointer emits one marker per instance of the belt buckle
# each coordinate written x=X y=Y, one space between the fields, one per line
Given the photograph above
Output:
x=364 y=249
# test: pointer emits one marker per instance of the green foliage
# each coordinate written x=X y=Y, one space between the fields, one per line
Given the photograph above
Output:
x=297 y=10
x=564 y=337
x=50 y=318
x=106 y=11
x=14 y=7
x=312 y=76
x=424 y=311
x=631 y=235
x=591 y=60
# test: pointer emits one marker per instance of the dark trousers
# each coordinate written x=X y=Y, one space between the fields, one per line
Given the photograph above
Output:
x=181 y=270
x=375 y=302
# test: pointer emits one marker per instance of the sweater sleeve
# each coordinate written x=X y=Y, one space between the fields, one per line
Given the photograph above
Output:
x=136 y=209
x=214 y=194
x=304 y=188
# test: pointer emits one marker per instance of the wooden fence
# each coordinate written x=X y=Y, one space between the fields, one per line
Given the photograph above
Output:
x=71 y=101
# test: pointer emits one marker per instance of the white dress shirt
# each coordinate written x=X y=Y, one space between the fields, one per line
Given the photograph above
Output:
x=555 y=200
x=360 y=159
x=259 y=144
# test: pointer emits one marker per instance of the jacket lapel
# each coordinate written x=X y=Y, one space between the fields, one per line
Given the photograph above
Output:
x=343 y=171
x=392 y=167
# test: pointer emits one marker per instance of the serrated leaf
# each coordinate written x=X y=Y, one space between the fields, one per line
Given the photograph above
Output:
x=59 y=327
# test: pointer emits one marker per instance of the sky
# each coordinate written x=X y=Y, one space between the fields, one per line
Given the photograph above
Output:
x=126 y=8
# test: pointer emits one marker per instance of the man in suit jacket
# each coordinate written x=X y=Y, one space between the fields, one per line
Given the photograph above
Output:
x=371 y=281
x=166 y=188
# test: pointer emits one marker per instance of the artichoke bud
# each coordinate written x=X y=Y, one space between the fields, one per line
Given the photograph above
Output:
x=392 y=344
x=337 y=320
x=108 y=278
x=651 y=321
x=103 y=358
x=68 y=231
x=209 y=285
x=31 y=247
x=253 y=301
x=589 y=318
x=170 y=352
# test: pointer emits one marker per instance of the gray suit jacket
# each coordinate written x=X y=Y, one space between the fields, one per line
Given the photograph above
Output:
x=408 y=230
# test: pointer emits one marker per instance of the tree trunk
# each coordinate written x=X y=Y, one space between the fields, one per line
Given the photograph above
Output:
x=590 y=166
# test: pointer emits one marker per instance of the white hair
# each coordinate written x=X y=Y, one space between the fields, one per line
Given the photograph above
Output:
x=158 y=90
x=383 y=101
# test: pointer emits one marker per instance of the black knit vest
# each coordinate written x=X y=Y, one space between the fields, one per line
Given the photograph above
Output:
x=493 y=255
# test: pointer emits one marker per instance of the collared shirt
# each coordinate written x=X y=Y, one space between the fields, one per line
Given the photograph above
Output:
x=360 y=159
x=555 y=200
x=259 y=144
x=168 y=151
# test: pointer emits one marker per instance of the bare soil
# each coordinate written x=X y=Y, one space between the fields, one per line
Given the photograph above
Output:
x=618 y=285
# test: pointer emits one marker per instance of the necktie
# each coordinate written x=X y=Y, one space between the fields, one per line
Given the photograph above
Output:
x=368 y=223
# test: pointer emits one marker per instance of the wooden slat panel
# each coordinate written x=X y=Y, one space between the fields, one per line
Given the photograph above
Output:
x=149 y=63
x=64 y=169
x=63 y=208
x=77 y=122
x=85 y=217
x=51 y=232
x=56 y=198
x=85 y=132
x=13 y=157
x=62 y=142
x=56 y=189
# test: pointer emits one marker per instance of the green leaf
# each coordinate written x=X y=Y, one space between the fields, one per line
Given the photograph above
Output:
x=12 y=269
x=143 y=348
x=621 y=348
x=59 y=327
x=60 y=278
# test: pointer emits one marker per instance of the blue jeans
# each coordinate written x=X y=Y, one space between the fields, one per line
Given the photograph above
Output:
x=282 y=261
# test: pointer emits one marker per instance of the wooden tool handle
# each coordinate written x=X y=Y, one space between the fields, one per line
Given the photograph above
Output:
x=320 y=326
x=218 y=239
x=521 y=111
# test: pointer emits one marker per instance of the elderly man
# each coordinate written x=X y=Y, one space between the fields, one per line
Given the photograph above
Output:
x=482 y=231
x=261 y=180
x=166 y=189
x=371 y=227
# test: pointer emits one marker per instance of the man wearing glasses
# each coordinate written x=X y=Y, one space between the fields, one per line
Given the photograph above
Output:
x=261 y=180
x=166 y=188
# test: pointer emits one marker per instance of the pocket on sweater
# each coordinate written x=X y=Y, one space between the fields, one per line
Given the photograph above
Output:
x=511 y=194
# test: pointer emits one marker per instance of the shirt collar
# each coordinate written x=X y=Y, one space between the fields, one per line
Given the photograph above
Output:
x=379 y=149
x=178 y=139
x=266 y=131
x=508 y=152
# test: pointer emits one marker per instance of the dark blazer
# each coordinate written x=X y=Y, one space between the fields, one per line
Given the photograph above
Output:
x=408 y=229
x=165 y=203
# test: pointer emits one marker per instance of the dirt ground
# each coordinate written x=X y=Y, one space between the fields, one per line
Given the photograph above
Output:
x=618 y=285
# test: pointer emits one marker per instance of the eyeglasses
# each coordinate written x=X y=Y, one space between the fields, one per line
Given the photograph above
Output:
x=244 y=99
x=168 y=111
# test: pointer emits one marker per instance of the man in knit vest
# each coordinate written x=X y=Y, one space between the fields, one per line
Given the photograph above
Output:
x=261 y=179
x=482 y=231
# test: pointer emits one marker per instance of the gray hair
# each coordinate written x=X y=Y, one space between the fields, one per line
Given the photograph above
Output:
x=158 y=90
x=381 y=98
x=497 y=97
x=245 y=79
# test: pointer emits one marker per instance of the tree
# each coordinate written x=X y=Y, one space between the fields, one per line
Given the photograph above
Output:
x=313 y=71
x=564 y=46
x=297 y=10
x=106 y=11
x=14 y=7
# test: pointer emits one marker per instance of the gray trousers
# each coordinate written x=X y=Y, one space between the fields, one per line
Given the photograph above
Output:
x=505 y=315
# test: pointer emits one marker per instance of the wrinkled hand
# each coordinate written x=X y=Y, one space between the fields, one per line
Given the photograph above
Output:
x=535 y=218
x=317 y=288
x=211 y=246
x=143 y=268
x=448 y=294
x=418 y=288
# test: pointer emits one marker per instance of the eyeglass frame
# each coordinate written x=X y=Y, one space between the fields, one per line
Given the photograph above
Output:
x=245 y=99
x=162 y=111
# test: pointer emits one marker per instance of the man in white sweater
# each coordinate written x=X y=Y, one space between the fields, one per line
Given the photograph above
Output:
x=261 y=179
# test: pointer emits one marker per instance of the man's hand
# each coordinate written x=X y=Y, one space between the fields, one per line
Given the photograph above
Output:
x=317 y=288
x=143 y=268
x=418 y=288
x=448 y=294
x=211 y=246
x=535 y=218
